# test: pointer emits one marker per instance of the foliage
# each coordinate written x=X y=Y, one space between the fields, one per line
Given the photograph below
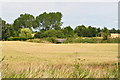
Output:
x=49 y=33
x=105 y=33
x=80 y=40
x=49 y=25
x=51 y=39
x=48 y=21
x=79 y=30
x=7 y=30
x=17 y=39
x=37 y=40
x=43 y=40
x=24 y=21
x=92 y=40
x=68 y=31
x=83 y=31
x=25 y=33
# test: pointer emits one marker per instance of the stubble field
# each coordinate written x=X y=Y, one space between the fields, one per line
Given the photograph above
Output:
x=40 y=60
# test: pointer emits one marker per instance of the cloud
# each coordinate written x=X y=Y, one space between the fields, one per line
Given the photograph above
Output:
x=59 y=0
x=116 y=21
x=74 y=13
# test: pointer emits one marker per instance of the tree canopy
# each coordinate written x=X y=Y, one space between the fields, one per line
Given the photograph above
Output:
x=48 y=25
x=24 y=21
x=48 y=21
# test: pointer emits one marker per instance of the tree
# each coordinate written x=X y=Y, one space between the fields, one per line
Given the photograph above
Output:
x=93 y=31
x=78 y=30
x=54 y=33
x=50 y=33
x=68 y=31
x=113 y=30
x=48 y=21
x=105 y=33
x=7 y=30
x=25 y=33
x=24 y=21
x=98 y=30
x=118 y=31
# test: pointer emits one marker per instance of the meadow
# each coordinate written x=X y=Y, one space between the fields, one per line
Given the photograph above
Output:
x=48 y=60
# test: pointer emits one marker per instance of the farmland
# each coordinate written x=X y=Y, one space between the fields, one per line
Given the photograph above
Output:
x=45 y=60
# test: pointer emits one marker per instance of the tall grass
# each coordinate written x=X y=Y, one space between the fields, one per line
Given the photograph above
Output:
x=76 y=70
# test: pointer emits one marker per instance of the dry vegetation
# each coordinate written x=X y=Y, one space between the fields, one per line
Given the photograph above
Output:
x=27 y=59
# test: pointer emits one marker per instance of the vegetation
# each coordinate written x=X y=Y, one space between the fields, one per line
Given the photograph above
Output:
x=25 y=33
x=32 y=60
x=49 y=25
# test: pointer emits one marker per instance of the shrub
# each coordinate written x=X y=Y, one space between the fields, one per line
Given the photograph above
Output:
x=16 y=39
x=80 y=40
x=43 y=40
x=39 y=35
x=113 y=40
x=51 y=39
x=37 y=40
x=25 y=33
x=49 y=33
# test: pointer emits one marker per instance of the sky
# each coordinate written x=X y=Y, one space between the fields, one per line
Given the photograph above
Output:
x=96 y=14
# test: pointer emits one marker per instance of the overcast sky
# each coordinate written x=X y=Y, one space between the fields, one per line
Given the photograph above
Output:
x=98 y=14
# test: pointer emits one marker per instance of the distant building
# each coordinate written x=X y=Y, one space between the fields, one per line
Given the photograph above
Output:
x=60 y=40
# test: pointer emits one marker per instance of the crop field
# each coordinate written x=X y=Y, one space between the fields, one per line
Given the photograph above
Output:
x=47 y=60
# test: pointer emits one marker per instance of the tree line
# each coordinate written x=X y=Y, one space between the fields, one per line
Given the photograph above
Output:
x=48 y=25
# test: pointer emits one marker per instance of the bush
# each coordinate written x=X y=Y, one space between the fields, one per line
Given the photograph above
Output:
x=51 y=39
x=39 y=35
x=88 y=40
x=25 y=33
x=49 y=33
x=80 y=40
x=113 y=40
x=43 y=40
x=37 y=40
x=16 y=39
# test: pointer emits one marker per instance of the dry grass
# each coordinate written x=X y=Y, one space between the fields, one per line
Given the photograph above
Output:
x=22 y=55
x=114 y=35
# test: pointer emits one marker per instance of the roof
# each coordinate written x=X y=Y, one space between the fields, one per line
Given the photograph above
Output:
x=61 y=40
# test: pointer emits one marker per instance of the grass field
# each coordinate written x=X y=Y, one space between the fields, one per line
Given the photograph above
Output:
x=34 y=60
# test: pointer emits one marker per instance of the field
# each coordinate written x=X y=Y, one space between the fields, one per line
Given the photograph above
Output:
x=47 y=60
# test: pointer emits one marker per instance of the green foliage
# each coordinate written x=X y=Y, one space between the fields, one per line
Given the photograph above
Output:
x=50 y=33
x=25 y=33
x=92 y=40
x=7 y=30
x=113 y=30
x=43 y=40
x=17 y=39
x=68 y=31
x=48 y=21
x=83 y=31
x=79 y=30
x=49 y=25
x=39 y=35
x=37 y=40
x=105 y=33
x=51 y=39
x=24 y=21
x=111 y=40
